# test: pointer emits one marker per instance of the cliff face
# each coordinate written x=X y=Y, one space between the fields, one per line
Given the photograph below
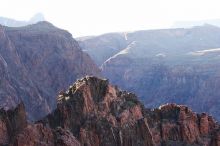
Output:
x=173 y=124
x=15 y=131
x=36 y=62
x=98 y=113
x=94 y=113
x=39 y=135
x=12 y=122
x=161 y=66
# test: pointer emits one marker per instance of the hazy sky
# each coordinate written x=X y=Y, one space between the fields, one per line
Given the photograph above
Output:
x=91 y=17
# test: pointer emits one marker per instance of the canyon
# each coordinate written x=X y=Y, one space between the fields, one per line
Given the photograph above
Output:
x=162 y=66
x=171 y=71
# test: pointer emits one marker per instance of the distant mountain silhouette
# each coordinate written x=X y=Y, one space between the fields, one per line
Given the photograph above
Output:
x=16 y=23
x=187 y=24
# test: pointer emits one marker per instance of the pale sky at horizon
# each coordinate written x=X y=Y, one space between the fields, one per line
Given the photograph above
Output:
x=93 y=17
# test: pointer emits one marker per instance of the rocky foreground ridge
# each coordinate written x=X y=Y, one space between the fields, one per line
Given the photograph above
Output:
x=94 y=113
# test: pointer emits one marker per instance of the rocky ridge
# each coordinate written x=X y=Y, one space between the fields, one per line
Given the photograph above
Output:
x=93 y=112
x=16 y=131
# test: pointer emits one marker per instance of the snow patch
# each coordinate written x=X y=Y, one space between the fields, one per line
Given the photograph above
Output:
x=160 y=55
x=204 y=52
x=126 y=37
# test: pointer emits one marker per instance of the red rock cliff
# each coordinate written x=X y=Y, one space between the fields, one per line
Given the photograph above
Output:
x=95 y=113
x=98 y=113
